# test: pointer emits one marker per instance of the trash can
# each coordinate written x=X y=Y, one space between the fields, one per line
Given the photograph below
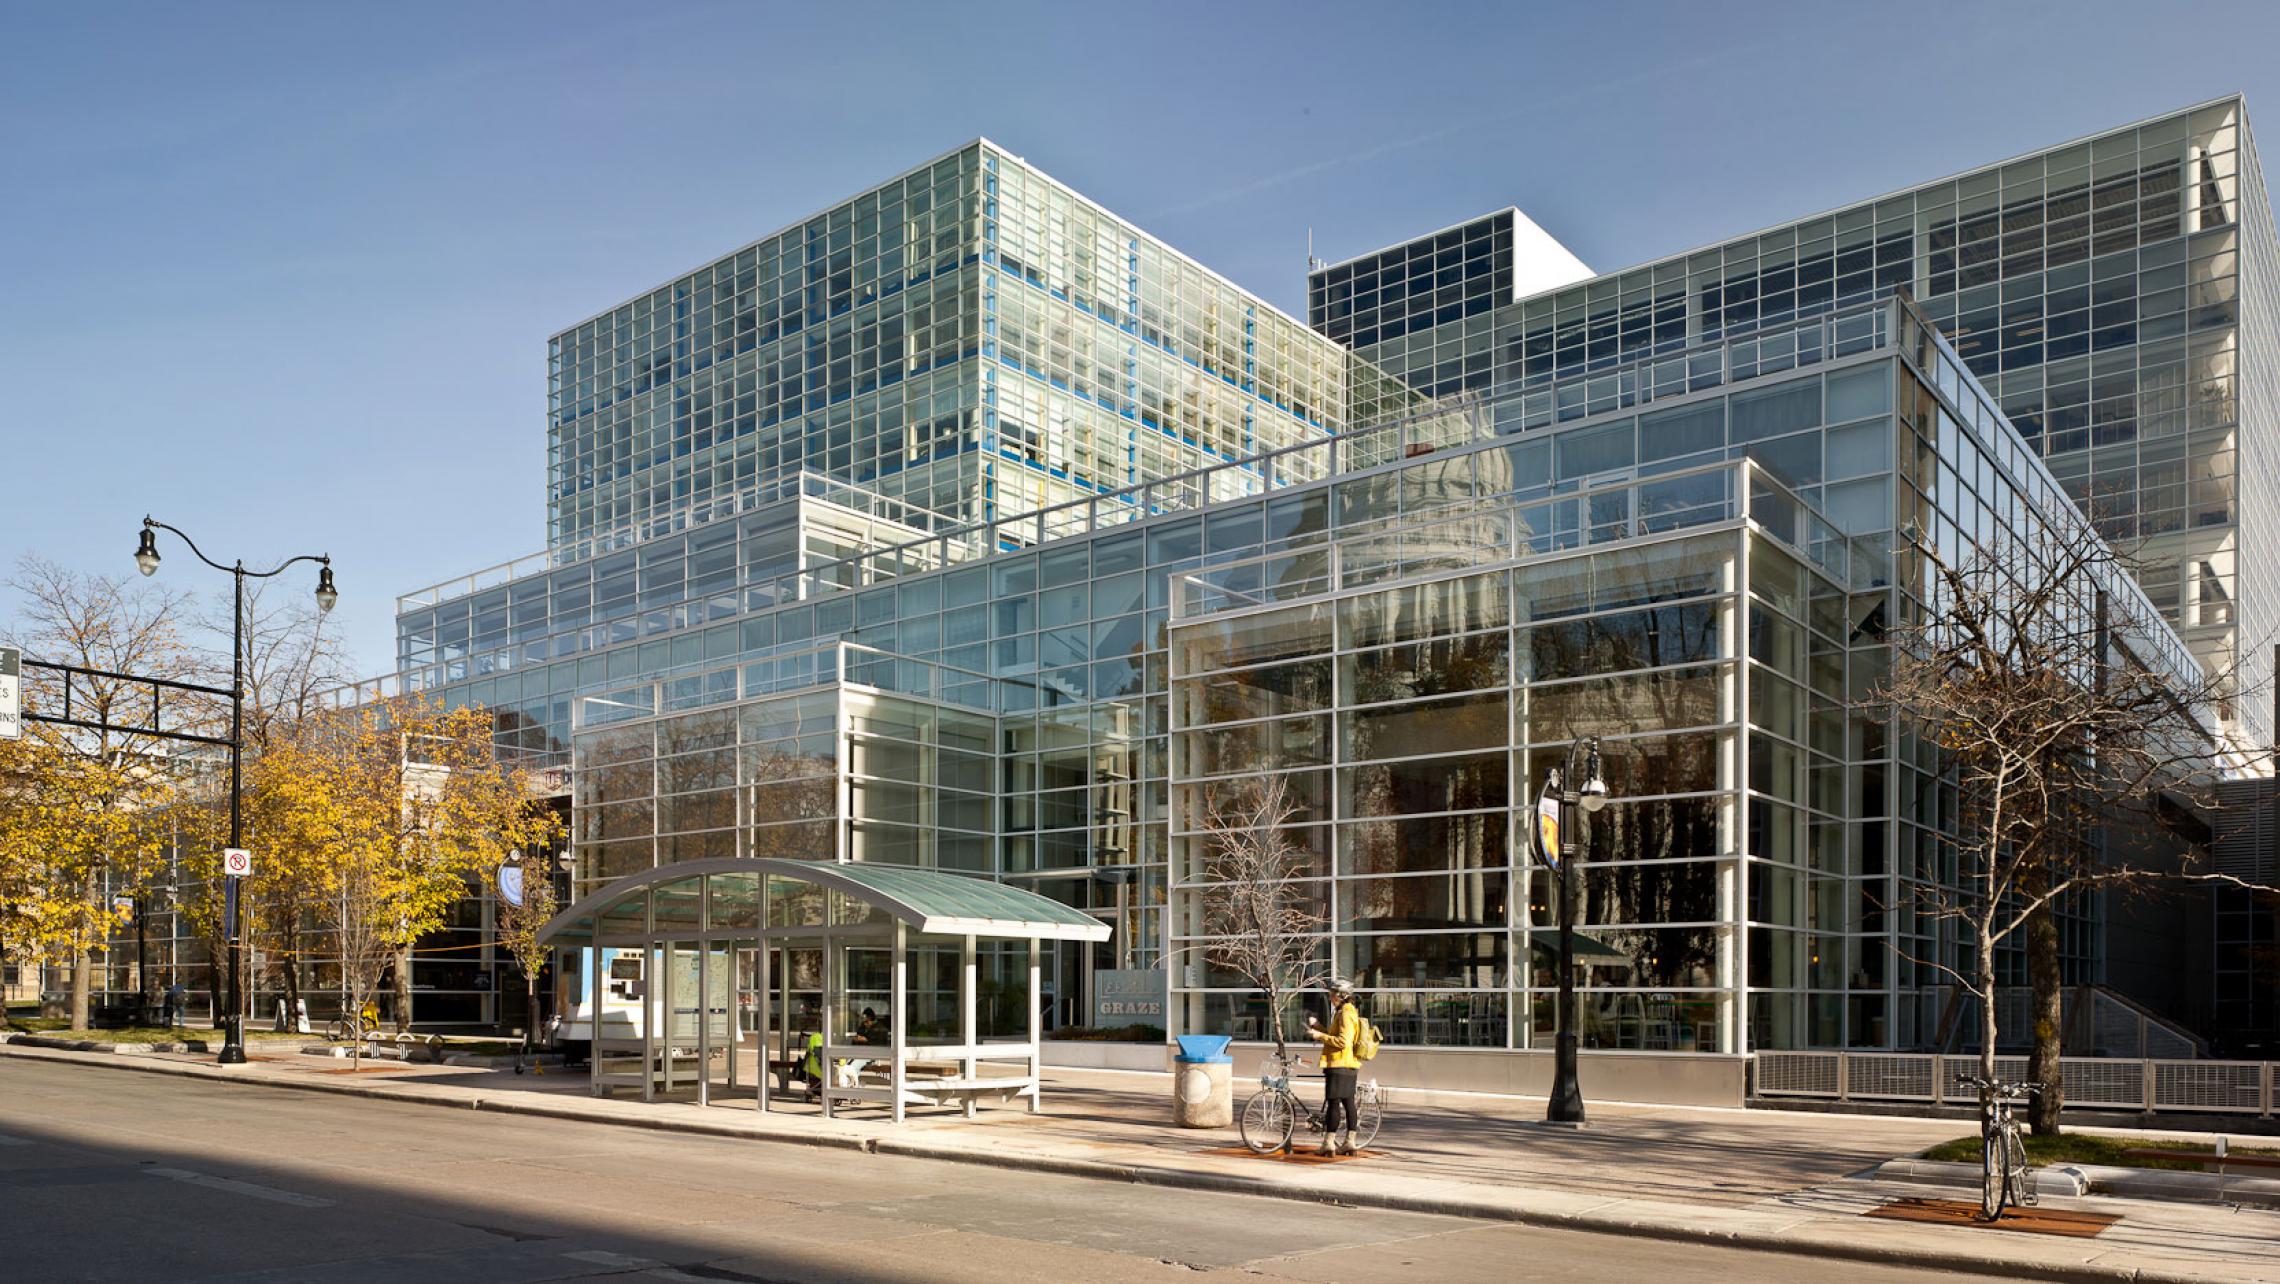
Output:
x=1203 y=1082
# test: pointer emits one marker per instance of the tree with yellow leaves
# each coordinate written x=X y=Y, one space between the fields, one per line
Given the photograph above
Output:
x=83 y=810
x=403 y=805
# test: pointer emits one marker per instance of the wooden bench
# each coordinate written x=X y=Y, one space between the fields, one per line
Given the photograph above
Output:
x=2205 y=1158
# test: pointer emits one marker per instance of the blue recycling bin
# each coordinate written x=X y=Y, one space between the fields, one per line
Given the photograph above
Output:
x=1204 y=1049
x=1203 y=1082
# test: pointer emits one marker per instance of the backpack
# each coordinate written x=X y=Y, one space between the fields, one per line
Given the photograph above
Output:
x=1366 y=1038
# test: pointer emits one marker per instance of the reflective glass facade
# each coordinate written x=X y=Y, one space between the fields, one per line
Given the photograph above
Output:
x=969 y=339
x=2097 y=289
x=1171 y=537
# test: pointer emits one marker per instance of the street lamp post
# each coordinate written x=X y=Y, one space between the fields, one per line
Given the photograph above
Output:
x=146 y=560
x=1571 y=786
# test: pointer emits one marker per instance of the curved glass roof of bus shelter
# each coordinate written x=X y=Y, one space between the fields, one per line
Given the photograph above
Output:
x=723 y=895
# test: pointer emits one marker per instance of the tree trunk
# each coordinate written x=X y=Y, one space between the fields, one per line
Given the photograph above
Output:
x=1987 y=1030
x=82 y=980
x=2044 y=1009
x=289 y=971
x=403 y=1013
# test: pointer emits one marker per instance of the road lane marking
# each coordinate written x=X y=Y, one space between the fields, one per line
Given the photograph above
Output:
x=236 y=1187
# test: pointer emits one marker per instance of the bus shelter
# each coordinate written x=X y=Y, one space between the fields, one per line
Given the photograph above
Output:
x=728 y=980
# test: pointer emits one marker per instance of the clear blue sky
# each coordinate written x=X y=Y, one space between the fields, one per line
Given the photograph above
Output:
x=283 y=274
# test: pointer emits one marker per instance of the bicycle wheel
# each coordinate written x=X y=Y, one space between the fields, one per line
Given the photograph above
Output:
x=1369 y=1113
x=1267 y=1121
x=337 y=1032
x=2023 y=1177
x=1991 y=1177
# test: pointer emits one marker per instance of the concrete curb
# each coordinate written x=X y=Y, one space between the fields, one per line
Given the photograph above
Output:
x=98 y=1045
x=2073 y=1180
x=2064 y=1180
x=1604 y=1215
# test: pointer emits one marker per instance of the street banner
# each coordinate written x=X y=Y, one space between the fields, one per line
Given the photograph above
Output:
x=1547 y=833
x=11 y=694
x=511 y=884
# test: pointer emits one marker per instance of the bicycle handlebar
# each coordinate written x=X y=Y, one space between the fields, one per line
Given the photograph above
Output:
x=2000 y=1087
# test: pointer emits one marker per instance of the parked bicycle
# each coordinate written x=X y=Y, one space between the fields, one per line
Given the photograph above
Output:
x=1271 y=1118
x=367 y=1021
x=2005 y=1177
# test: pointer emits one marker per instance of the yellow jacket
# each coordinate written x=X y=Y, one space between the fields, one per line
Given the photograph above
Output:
x=1338 y=1041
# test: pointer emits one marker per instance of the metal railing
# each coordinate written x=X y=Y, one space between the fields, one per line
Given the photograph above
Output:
x=2091 y=1083
x=1478 y=537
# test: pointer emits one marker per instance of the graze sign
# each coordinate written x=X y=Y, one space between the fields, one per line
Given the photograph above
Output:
x=1128 y=996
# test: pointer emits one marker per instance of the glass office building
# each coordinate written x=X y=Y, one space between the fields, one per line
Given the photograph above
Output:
x=2113 y=293
x=968 y=339
x=1001 y=553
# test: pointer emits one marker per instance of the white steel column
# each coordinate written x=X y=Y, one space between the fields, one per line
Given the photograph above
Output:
x=969 y=1030
x=767 y=1001
x=1036 y=1036
x=896 y=1011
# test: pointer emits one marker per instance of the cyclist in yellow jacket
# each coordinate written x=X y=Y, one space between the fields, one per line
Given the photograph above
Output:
x=1341 y=1068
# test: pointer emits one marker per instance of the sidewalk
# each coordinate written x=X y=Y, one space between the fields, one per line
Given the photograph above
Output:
x=1764 y=1179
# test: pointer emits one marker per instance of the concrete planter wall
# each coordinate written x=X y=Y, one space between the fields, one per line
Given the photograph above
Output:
x=1087 y=1054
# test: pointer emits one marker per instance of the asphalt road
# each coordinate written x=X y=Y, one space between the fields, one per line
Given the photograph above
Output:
x=107 y=1175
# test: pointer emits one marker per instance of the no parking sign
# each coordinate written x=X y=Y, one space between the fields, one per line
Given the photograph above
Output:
x=237 y=862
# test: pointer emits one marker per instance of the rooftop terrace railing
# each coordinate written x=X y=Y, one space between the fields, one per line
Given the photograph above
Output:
x=1859 y=328
x=1501 y=531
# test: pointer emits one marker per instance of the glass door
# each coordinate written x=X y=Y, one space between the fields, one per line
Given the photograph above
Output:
x=676 y=1054
x=793 y=1011
x=717 y=1035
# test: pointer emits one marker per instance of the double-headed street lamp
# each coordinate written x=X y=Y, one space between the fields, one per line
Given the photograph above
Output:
x=1577 y=784
x=146 y=560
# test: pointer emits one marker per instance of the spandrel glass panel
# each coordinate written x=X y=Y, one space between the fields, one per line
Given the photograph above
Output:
x=1619 y=704
x=1686 y=430
x=1423 y=844
x=1772 y=411
x=1423 y=610
x=1254 y=639
x=1473 y=661
x=1424 y=903
x=1267 y=691
x=1420 y=785
x=1426 y=959
x=1626 y=640
x=1289 y=742
x=1403 y=730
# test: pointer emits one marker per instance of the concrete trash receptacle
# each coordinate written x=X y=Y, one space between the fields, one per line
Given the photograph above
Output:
x=1203 y=1082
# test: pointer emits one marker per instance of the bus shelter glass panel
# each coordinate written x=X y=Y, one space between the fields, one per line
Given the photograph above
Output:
x=620 y=1050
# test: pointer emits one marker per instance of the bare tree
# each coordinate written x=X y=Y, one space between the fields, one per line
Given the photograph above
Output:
x=2036 y=673
x=530 y=907
x=1260 y=914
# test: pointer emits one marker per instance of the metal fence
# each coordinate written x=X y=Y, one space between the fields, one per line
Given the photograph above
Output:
x=2092 y=1083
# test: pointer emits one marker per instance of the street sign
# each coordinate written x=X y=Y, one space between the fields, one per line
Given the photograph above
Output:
x=237 y=862
x=11 y=694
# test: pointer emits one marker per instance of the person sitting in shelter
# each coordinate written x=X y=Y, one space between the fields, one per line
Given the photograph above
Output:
x=869 y=1028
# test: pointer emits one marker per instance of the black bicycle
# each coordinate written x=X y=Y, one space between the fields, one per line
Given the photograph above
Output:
x=2004 y=1176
